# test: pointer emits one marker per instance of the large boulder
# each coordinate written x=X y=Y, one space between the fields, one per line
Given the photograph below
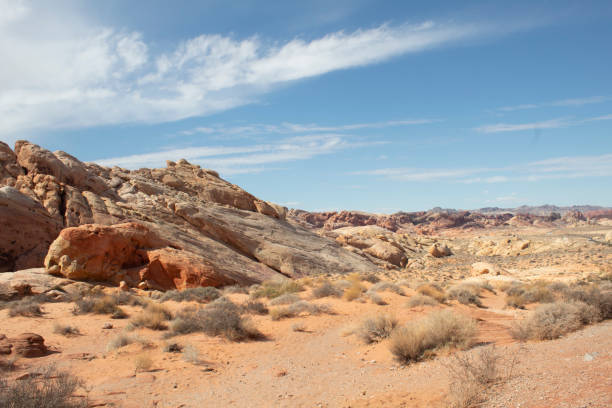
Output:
x=29 y=345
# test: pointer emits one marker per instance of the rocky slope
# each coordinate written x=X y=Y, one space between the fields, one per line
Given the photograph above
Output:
x=164 y=228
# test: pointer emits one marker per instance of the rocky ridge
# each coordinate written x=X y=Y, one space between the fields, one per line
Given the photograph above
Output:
x=168 y=228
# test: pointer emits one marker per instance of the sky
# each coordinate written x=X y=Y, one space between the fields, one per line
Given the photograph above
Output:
x=378 y=106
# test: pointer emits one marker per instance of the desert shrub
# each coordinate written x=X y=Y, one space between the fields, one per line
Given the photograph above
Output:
x=354 y=277
x=354 y=292
x=421 y=300
x=235 y=289
x=65 y=330
x=219 y=318
x=465 y=293
x=254 y=306
x=326 y=289
x=153 y=317
x=8 y=364
x=298 y=327
x=343 y=284
x=121 y=340
x=272 y=289
x=386 y=286
x=470 y=376
x=28 y=307
x=297 y=309
x=285 y=299
x=592 y=295
x=518 y=295
x=370 y=277
x=201 y=295
x=516 y=301
x=49 y=388
x=424 y=337
x=128 y=299
x=376 y=299
x=432 y=290
x=377 y=328
x=99 y=305
x=142 y=362
x=553 y=320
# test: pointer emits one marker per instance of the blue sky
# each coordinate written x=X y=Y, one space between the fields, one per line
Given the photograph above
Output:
x=369 y=105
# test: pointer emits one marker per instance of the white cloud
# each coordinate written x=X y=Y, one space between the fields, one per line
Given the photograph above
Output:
x=508 y=127
x=79 y=74
x=561 y=102
x=556 y=168
x=244 y=159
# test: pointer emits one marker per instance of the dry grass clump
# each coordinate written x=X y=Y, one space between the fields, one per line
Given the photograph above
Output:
x=466 y=293
x=27 y=307
x=65 y=330
x=592 y=295
x=386 y=286
x=235 y=289
x=421 y=300
x=553 y=320
x=99 y=305
x=121 y=340
x=172 y=348
x=153 y=317
x=432 y=290
x=201 y=295
x=354 y=292
x=424 y=337
x=272 y=289
x=299 y=308
x=191 y=354
x=128 y=299
x=520 y=294
x=326 y=289
x=470 y=377
x=376 y=299
x=49 y=388
x=255 y=306
x=377 y=328
x=370 y=277
x=142 y=362
x=286 y=299
x=219 y=318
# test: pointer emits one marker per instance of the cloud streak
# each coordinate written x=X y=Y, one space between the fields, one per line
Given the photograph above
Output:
x=80 y=75
x=547 y=124
x=256 y=158
x=572 y=167
x=561 y=102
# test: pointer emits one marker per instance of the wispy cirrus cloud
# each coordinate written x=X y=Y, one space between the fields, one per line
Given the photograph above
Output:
x=245 y=159
x=82 y=74
x=561 y=102
x=546 y=124
x=569 y=167
x=291 y=128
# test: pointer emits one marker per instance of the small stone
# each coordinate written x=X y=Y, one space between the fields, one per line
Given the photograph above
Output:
x=124 y=286
x=107 y=326
x=588 y=357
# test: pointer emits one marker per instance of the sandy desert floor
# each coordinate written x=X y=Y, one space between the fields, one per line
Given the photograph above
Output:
x=324 y=365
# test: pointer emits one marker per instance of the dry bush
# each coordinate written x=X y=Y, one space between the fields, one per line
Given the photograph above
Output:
x=471 y=376
x=354 y=277
x=99 y=305
x=298 y=327
x=219 y=318
x=201 y=295
x=520 y=294
x=376 y=299
x=354 y=292
x=421 y=300
x=286 y=299
x=254 y=306
x=432 y=290
x=8 y=364
x=121 y=340
x=128 y=299
x=377 y=328
x=370 y=277
x=326 y=289
x=299 y=308
x=28 y=307
x=422 y=338
x=272 y=289
x=142 y=362
x=593 y=296
x=386 y=286
x=466 y=293
x=153 y=317
x=172 y=348
x=235 y=289
x=49 y=388
x=553 y=320
x=65 y=330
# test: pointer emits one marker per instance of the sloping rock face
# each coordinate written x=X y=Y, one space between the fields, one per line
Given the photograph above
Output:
x=179 y=226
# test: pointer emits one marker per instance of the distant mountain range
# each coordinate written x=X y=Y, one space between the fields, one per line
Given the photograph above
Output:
x=542 y=210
